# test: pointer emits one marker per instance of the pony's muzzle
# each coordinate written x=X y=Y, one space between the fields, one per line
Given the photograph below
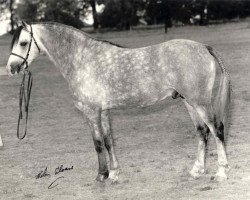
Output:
x=14 y=68
x=8 y=70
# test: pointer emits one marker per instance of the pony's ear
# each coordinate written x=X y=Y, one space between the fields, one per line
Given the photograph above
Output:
x=18 y=23
x=24 y=24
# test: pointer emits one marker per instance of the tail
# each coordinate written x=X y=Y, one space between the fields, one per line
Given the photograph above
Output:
x=222 y=100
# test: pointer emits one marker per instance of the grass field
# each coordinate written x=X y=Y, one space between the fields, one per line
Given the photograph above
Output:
x=155 y=149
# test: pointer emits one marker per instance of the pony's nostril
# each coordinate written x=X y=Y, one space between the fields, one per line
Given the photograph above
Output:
x=14 y=68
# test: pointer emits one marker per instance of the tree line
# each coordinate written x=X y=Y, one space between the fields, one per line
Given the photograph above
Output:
x=122 y=14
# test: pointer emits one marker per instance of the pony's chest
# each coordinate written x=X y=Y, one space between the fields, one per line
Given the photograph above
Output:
x=85 y=88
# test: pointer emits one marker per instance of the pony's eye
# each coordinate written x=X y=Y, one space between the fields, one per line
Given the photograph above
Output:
x=23 y=44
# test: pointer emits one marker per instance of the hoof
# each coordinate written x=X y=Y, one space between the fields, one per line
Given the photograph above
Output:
x=197 y=171
x=102 y=177
x=113 y=175
x=221 y=174
x=220 y=178
x=195 y=175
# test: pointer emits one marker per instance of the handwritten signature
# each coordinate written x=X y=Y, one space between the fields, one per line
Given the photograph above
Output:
x=58 y=170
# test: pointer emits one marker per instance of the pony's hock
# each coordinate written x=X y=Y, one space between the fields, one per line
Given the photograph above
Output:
x=103 y=76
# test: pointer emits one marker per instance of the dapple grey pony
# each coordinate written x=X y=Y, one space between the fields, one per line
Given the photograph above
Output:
x=103 y=76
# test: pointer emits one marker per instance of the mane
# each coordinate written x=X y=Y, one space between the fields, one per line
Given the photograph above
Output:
x=80 y=31
x=16 y=36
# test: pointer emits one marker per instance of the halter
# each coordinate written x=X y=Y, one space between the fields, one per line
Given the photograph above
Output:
x=25 y=96
x=28 y=53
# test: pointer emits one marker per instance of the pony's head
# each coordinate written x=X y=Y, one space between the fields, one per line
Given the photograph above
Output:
x=24 y=49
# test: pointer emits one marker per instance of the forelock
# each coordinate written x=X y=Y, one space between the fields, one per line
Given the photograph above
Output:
x=16 y=36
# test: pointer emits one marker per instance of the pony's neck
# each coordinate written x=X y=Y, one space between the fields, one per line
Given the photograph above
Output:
x=66 y=47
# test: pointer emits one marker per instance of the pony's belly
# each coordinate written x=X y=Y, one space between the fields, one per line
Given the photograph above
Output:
x=137 y=101
x=123 y=101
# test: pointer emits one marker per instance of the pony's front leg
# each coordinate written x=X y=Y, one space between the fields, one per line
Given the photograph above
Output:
x=109 y=144
x=94 y=121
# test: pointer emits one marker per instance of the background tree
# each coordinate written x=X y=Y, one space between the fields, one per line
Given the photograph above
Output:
x=244 y=9
x=199 y=7
x=65 y=12
x=126 y=14
x=28 y=10
x=226 y=10
x=118 y=13
x=11 y=15
x=8 y=5
x=95 y=17
x=122 y=14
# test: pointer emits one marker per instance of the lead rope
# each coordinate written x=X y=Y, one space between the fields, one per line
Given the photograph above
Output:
x=24 y=96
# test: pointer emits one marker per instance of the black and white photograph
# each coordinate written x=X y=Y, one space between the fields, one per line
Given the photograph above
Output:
x=124 y=99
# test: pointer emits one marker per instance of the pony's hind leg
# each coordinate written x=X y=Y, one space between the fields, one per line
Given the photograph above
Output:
x=208 y=116
x=109 y=144
x=203 y=131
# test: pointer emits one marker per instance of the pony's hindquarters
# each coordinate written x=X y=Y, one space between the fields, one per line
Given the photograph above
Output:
x=194 y=73
x=190 y=70
x=214 y=116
